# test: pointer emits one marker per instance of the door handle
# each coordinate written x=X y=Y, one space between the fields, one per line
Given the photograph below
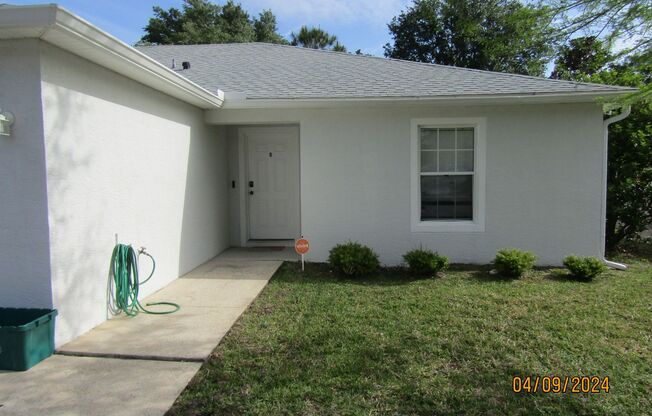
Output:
x=251 y=192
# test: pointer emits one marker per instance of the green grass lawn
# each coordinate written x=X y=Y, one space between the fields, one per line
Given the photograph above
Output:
x=313 y=343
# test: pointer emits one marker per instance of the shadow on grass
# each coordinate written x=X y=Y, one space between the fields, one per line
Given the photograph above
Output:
x=398 y=276
x=485 y=275
x=322 y=272
x=560 y=275
x=386 y=276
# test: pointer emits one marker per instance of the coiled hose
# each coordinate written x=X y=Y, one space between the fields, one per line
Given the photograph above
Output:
x=126 y=283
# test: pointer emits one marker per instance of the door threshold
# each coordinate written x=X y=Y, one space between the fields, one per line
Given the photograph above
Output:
x=269 y=243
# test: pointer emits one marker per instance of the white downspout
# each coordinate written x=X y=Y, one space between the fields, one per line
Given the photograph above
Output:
x=626 y=111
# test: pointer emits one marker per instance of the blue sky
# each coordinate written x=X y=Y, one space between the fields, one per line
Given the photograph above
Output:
x=357 y=23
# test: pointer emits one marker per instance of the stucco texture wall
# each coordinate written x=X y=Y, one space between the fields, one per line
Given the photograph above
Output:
x=24 y=244
x=543 y=179
x=124 y=159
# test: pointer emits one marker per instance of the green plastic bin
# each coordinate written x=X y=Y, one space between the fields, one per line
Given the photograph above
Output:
x=26 y=337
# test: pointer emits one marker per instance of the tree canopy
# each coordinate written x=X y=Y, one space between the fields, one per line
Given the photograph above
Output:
x=201 y=21
x=315 y=38
x=496 y=35
x=266 y=30
x=581 y=57
x=629 y=175
x=627 y=23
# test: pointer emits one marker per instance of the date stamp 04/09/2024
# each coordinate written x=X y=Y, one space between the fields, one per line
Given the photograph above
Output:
x=560 y=384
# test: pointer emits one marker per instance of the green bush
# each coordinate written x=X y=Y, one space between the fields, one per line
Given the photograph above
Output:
x=513 y=262
x=353 y=259
x=584 y=267
x=424 y=262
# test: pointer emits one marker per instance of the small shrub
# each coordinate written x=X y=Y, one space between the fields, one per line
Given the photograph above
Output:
x=353 y=259
x=584 y=267
x=424 y=262
x=513 y=262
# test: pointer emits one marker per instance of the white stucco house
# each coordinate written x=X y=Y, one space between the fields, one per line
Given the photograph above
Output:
x=189 y=150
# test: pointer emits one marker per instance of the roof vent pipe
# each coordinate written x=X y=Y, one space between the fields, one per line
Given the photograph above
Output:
x=185 y=65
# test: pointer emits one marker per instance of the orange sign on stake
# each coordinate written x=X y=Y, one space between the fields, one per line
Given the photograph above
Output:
x=302 y=246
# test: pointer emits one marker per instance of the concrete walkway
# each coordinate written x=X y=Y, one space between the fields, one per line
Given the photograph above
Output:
x=94 y=386
x=139 y=365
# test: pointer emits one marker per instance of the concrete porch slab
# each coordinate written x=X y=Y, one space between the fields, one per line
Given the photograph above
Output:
x=94 y=386
x=260 y=253
x=234 y=269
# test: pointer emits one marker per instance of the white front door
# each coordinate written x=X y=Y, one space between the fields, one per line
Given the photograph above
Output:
x=272 y=186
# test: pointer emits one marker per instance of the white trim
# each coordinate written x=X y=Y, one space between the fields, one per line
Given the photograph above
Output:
x=240 y=101
x=69 y=32
x=479 y=179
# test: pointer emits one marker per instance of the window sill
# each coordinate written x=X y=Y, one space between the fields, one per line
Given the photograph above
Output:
x=447 y=227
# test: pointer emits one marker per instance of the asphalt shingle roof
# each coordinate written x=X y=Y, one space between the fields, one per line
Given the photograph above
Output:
x=267 y=71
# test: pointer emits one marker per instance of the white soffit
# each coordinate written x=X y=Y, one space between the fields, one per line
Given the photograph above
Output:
x=63 y=29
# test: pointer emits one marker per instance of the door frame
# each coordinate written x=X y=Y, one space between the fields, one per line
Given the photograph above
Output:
x=243 y=172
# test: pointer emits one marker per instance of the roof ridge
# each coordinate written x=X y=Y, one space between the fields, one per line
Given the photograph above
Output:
x=386 y=59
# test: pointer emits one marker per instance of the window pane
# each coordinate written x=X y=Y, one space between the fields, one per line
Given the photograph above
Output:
x=464 y=197
x=465 y=139
x=464 y=161
x=447 y=197
x=429 y=139
x=446 y=139
x=429 y=186
x=447 y=161
x=428 y=161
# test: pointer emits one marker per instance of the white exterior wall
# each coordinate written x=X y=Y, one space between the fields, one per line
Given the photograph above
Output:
x=124 y=159
x=543 y=179
x=24 y=244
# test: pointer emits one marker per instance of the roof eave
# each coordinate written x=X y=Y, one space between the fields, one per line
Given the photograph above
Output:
x=63 y=29
x=239 y=101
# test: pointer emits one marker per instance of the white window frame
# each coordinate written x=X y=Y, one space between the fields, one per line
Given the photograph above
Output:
x=477 y=224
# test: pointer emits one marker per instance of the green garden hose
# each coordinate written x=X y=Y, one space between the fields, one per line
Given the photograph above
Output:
x=126 y=284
